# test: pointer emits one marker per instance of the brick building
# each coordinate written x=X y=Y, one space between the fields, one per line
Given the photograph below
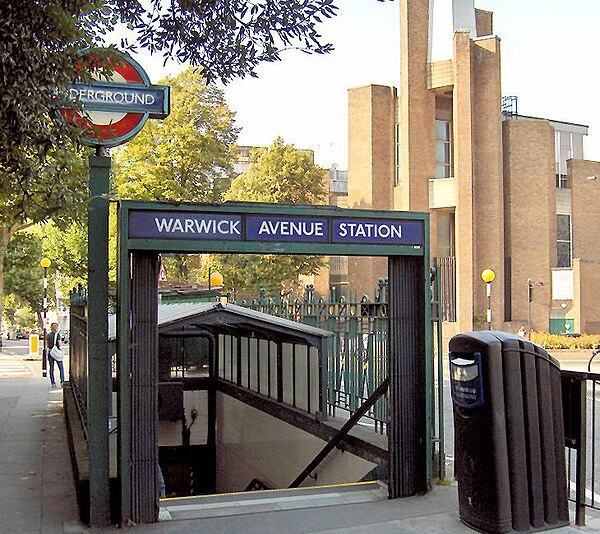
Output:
x=505 y=191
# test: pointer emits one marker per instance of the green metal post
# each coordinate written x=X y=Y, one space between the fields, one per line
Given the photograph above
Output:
x=440 y=375
x=429 y=403
x=98 y=383
x=124 y=370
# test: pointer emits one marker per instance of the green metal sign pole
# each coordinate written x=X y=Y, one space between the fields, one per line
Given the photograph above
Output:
x=98 y=366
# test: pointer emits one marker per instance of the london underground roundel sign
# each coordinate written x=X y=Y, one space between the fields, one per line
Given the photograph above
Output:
x=114 y=110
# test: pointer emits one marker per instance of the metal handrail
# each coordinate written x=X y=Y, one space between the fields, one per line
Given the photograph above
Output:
x=342 y=433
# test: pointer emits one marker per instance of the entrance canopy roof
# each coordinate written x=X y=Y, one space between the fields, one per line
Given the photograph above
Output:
x=188 y=318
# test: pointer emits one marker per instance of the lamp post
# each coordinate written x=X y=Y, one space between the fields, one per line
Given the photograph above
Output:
x=45 y=263
x=529 y=300
x=488 y=276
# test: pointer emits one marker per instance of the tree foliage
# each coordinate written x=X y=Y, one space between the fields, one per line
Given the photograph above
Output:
x=23 y=274
x=186 y=157
x=280 y=174
x=40 y=43
x=56 y=190
x=67 y=250
x=226 y=39
x=39 y=46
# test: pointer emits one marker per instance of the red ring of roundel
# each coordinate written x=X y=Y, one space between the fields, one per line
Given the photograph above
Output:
x=117 y=129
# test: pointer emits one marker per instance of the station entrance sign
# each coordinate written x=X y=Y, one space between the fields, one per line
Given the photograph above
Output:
x=274 y=228
x=114 y=110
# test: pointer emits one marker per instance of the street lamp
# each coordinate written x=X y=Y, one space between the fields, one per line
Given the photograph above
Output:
x=529 y=300
x=488 y=276
x=45 y=263
x=215 y=279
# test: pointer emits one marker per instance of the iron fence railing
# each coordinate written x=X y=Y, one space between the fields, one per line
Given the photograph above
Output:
x=446 y=269
x=78 y=361
x=581 y=407
x=357 y=352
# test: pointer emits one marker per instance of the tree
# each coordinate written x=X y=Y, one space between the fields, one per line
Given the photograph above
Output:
x=66 y=247
x=226 y=39
x=40 y=43
x=59 y=191
x=186 y=157
x=23 y=274
x=39 y=53
x=280 y=174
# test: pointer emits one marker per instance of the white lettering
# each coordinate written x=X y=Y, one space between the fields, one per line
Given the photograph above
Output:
x=224 y=227
x=205 y=226
x=162 y=225
x=197 y=226
x=369 y=230
x=235 y=228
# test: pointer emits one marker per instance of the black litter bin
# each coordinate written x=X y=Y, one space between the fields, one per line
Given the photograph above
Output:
x=509 y=435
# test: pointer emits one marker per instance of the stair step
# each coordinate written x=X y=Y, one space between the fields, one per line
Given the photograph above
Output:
x=270 y=501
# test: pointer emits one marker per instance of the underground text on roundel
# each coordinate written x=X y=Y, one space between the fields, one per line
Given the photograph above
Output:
x=249 y=227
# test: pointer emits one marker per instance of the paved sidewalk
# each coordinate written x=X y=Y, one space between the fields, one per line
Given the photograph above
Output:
x=37 y=493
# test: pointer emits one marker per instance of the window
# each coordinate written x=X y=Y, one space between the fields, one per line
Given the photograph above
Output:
x=444 y=224
x=563 y=241
x=444 y=166
x=183 y=357
x=398 y=177
x=562 y=181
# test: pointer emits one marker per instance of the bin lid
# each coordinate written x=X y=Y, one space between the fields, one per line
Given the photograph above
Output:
x=509 y=341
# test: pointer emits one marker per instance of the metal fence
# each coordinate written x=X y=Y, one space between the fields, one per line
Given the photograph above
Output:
x=581 y=406
x=357 y=352
x=78 y=361
x=446 y=269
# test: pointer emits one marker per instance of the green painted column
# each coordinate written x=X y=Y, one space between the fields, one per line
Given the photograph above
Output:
x=99 y=365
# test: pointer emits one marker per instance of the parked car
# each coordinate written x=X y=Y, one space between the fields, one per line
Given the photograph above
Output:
x=19 y=334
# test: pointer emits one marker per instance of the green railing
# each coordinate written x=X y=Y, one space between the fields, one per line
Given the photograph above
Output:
x=78 y=361
x=357 y=351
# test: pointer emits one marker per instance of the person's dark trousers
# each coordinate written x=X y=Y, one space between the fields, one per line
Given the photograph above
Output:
x=61 y=368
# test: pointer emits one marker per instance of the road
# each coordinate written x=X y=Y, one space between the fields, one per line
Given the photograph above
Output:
x=16 y=362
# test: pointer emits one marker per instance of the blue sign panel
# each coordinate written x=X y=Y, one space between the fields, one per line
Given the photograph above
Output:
x=466 y=380
x=273 y=228
x=377 y=231
x=122 y=98
x=175 y=225
x=296 y=229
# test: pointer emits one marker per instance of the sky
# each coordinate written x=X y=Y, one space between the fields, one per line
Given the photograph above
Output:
x=549 y=61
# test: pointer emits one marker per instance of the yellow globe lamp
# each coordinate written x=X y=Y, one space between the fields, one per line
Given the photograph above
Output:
x=216 y=279
x=488 y=276
x=45 y=263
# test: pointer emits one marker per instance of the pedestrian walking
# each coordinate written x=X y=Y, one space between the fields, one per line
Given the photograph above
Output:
x=55 y=354
x=522 y=332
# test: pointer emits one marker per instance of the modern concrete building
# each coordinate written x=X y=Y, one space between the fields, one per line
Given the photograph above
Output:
x=505 y=191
